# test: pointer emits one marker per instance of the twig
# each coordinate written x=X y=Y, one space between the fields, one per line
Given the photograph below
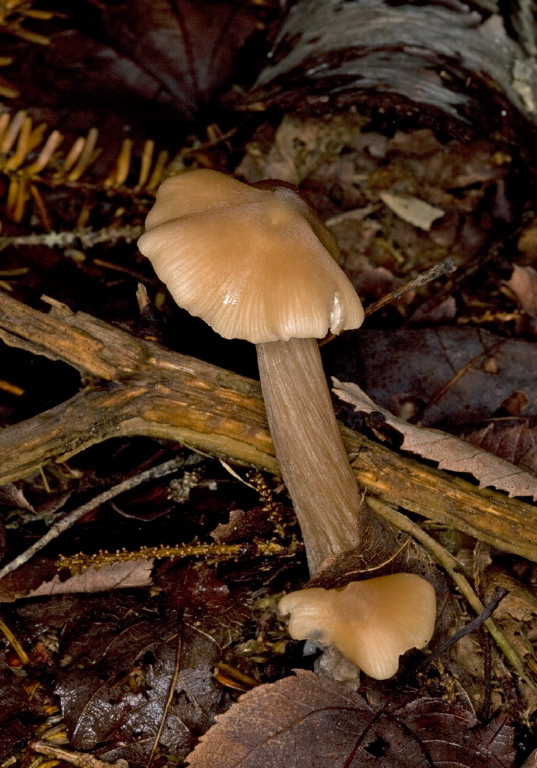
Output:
x=454 y=568
x=79 y=759
x=215 y=551
x=169 y=698
x=62 y=525
x=84 y=236
x=486 y=613
x=439 y=270
x=12 y=640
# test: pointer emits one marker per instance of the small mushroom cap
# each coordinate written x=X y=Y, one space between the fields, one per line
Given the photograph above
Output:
x=248 y=261
x=371 y=622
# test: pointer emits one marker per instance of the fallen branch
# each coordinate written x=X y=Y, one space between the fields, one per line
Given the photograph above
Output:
x=144 y=389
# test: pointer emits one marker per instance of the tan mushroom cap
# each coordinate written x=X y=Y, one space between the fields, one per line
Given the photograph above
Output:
x=246 y=260
x=371 y=622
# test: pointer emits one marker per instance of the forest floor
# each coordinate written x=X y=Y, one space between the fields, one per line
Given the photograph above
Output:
x=154 y=614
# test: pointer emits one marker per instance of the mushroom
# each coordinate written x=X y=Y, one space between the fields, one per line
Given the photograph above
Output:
x=371 y=622
x=257 y=264
x=254 y=264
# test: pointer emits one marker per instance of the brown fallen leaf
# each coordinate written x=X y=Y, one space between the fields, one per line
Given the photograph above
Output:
x=19 y=713
x=118 y=654
x=523 y=283
x=448 y=452
x=514 y=439
x=311 y=722
x=190 y=49
x=114 y=576
x=452 y=375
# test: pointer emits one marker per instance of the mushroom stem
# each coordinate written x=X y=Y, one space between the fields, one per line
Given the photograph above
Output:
x=312 y=457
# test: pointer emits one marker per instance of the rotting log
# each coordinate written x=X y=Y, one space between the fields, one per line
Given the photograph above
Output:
x=142 y=388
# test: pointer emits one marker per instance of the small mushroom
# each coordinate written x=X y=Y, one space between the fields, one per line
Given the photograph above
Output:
x=254 y=264
x=371 y=622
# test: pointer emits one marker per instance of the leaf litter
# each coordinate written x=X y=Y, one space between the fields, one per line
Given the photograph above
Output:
x=408 y=165
x=117 y=666
x=512 y=438
x=449 y=375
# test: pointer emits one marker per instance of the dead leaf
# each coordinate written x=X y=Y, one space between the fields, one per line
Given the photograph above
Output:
x=13 y=496
x=514 y=439
x=117 y=663
x=30 y=576
x=454 y=376
x=413 y=210
x=19 y=714
x=114 y=576
x=300 y=147
x=190 y=49
x=448 y=452
x=523 y=283
x=372 y=283
x=310 y=722
x=441 y=313
x=173 y=56
x=242 y=526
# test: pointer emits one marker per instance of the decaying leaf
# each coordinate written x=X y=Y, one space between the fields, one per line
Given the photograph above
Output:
x=412 y=209
x=300 y=146
x=452 y=375
x=118 y=660
x=13 y=496
x=19 y=713
x=189 y=49
x=310 y=722
x=514 y=439
x=449 y=452
x=114 y=576
x=523 y=283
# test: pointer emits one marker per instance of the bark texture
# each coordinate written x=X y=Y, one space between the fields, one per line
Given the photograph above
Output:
x=448 y=65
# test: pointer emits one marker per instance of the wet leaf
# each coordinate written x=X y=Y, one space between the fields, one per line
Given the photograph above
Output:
x=118 y=663
x=188 y=49
x=448 y=452
x=18 y=713
x=311 y=722
x=412 y=209
x=451 y=375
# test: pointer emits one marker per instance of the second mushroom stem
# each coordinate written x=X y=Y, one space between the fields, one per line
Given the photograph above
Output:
x=310 y=451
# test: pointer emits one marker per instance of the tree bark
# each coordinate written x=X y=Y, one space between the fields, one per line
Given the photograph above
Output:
x=458 y=69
